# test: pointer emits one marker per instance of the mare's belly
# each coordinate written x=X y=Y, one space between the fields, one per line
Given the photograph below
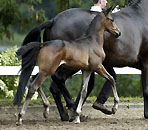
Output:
x=115 y=60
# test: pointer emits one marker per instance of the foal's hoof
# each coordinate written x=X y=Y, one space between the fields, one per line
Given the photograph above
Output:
x=77 y=120
x=19 y=122
x=46 y=113
x=102 y=108
x=114 y=110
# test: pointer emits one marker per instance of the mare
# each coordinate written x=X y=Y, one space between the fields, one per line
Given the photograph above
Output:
x=130 y=49
x=85 y=53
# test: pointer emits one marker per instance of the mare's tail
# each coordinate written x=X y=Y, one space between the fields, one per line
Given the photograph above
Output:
x=29 y=59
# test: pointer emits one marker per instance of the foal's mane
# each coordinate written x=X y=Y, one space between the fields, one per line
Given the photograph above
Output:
x=91 y=28
x=93 y=24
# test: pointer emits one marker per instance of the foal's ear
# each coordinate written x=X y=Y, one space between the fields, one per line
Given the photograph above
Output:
x=106 y=11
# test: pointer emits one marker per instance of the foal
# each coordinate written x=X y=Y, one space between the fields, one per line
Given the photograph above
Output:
x=86 y=54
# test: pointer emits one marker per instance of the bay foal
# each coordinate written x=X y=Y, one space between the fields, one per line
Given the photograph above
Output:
x=85 y=53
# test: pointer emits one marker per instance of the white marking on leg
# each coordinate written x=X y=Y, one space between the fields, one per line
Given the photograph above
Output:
x=116 y=98
x=86 y=76
x=77 y=120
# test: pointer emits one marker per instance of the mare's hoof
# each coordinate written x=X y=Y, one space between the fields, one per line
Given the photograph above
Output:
x=102 y=108
x=72 y=114
x=72 y=117
x=145 y=114
x=65 y=117
x=114 y=110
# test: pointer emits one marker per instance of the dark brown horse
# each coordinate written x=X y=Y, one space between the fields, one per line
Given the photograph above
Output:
x=88 y=56
x=128 y=50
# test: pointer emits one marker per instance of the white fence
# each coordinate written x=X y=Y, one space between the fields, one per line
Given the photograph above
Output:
x=14 y=70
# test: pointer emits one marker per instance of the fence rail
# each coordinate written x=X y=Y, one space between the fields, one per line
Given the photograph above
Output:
x=14 y=70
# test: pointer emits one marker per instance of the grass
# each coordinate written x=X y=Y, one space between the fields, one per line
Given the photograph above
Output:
x=9 y=102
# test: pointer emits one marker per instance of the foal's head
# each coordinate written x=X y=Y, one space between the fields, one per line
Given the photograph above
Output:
x=109 y=24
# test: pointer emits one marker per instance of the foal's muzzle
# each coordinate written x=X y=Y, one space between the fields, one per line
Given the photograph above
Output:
x=118 y=33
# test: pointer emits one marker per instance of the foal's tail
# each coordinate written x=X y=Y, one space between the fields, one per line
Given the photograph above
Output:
x=29 y=55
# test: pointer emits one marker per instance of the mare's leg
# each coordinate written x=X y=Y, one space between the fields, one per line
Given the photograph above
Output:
x=144 y=79
x=102 y=71
x=33 y=87
x=104 y=93
x=86 y=76
x=56 y=93
x=58 y=87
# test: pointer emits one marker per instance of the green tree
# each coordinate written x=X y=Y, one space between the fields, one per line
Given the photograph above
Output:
x=19 y=13
x=65 y=4
x=114 y=3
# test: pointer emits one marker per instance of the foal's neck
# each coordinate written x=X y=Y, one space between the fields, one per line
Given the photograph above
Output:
x=96 y=30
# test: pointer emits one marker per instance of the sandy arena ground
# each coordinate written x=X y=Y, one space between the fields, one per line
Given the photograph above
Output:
x=128 y=117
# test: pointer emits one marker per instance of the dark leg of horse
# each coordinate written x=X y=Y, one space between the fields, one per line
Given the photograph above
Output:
x=104 y=93
x=56 y=93
x=58 y=86
x=144 y=78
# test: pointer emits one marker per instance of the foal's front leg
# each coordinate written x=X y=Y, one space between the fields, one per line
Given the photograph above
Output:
x=86 y=76
x=33 y=87
x=102 y=71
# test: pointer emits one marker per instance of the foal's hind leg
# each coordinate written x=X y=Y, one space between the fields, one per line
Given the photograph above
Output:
x=102 y=71
x=45 y=102
x=86 y=76
x=33 y=87
x=44 y=99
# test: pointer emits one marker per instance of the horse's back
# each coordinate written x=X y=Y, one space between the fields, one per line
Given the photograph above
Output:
x=71 y=24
